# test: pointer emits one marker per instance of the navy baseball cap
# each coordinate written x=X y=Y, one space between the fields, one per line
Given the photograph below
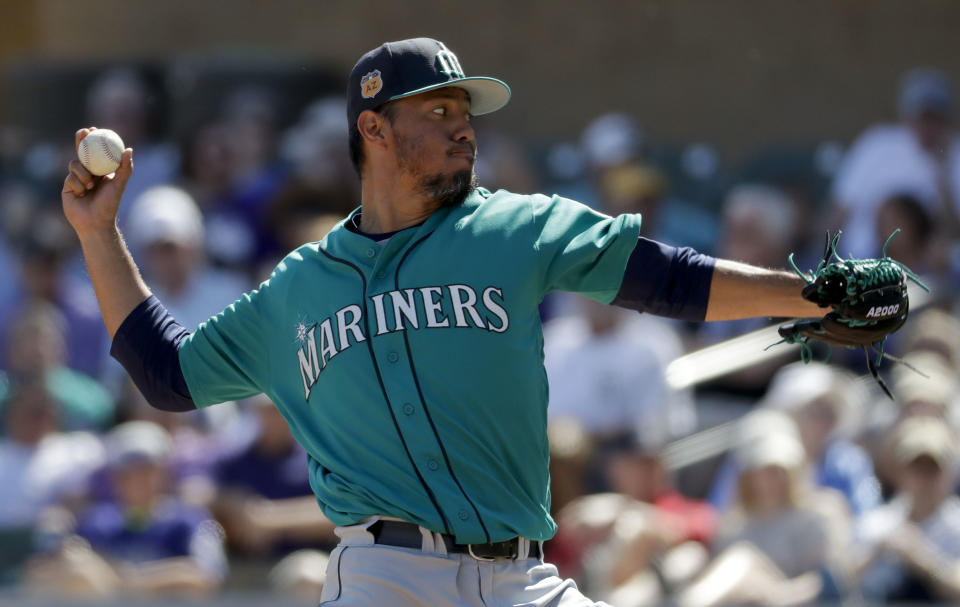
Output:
x=395 y=70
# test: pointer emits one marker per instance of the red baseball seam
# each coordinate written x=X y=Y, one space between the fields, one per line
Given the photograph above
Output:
x=106 y=150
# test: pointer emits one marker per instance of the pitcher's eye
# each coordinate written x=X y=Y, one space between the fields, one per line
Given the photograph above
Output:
x=441 y=111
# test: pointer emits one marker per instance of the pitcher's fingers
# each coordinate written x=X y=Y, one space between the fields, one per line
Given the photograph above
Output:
x=73 y=185
x=126 y=167
x=83 y=175
x=81 y=134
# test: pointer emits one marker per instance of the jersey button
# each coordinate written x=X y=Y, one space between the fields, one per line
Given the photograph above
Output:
x=433 y=465
x=408 y=409
x=463 y=515
x=371 y=253
x=393 y=357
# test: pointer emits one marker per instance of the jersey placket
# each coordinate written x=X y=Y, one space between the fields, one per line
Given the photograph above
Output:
x=399 y=383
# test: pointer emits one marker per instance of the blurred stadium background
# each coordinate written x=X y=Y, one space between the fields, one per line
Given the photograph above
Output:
x=727 y=123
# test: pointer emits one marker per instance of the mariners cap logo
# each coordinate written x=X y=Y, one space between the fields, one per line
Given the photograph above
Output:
x=371 y=84
x=449 y=64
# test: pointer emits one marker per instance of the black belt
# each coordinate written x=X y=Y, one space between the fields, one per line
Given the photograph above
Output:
x=407 y=535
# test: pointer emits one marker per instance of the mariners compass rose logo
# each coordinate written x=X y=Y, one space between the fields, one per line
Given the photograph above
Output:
x=303 y=330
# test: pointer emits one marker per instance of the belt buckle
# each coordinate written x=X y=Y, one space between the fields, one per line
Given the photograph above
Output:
x=514 y=546
x=479 y=558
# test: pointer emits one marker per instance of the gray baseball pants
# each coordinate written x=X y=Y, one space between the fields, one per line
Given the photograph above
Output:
x=362 y=573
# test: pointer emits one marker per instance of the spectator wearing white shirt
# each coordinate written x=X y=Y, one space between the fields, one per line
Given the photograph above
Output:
x=40 y=469
x=39 y=465
x=919 y=157
x=606 y=370
x=166 y=228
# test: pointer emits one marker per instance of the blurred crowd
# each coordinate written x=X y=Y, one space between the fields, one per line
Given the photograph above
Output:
x=784 y=483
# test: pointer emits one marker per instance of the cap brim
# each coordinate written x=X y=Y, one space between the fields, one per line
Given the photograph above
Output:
x=486 y=94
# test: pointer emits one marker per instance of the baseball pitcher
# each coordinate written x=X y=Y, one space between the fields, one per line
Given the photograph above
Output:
x=405 y=347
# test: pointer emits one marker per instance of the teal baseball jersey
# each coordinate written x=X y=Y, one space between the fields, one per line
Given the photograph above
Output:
x=412 y=370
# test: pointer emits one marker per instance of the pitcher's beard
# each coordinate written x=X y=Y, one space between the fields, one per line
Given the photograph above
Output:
x=450 y=190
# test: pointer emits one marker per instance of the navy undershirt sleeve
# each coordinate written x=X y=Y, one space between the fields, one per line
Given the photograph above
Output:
x=666 y=281
x=146 y=345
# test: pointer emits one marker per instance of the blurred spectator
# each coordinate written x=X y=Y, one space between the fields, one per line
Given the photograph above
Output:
x=636 y=469
x=301 y=575
x=295 y=217
x=919 y=157
x=605 y=367
x=571 y=453
x=502 y=163
x=145 y=541
x=925 y=386
x=16 y=206
x=36 y=353
x=759 y=227
x=618 y=181
x=265 y=501
x=910 y=548
x=613 y=143
x=635 y=188
x=45 y=248
x=934 y=331
x=166 y=228
x=612 y=140
x=773 y=547
x=609 y=141
x=248 y=135
x=825 y=403
x=39 y=465
x=314 y=149
x=40 y=468
x=911 y=246
x=621 y=545
x=205 y=163
x=644 y=538
x=322 y=188
x=120 y=99
x=196 y=441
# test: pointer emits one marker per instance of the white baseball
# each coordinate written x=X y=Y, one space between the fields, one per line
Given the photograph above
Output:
x=100 y=151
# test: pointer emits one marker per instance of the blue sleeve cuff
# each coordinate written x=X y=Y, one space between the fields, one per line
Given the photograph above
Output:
x=666 y=281
x=146 y=345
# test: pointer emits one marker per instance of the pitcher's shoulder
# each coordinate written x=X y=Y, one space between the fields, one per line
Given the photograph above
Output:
x=499 y=208
x=506 y=201
x=482 y=196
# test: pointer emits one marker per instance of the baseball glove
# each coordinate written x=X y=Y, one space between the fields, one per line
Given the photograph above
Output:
x=868 y=301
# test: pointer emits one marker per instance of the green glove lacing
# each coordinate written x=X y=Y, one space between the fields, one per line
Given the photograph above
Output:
x=860 y=275
x=865 y=273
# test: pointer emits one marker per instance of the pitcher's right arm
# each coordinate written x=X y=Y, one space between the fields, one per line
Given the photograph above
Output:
x=90 y=204
x=145 y=337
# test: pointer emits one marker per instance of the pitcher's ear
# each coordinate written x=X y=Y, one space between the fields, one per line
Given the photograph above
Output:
x=373 y=127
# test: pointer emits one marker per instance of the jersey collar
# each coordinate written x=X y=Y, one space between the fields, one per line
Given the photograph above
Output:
x=344 y=242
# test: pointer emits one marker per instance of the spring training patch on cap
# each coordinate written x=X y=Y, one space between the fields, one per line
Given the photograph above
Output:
x=371 y=84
